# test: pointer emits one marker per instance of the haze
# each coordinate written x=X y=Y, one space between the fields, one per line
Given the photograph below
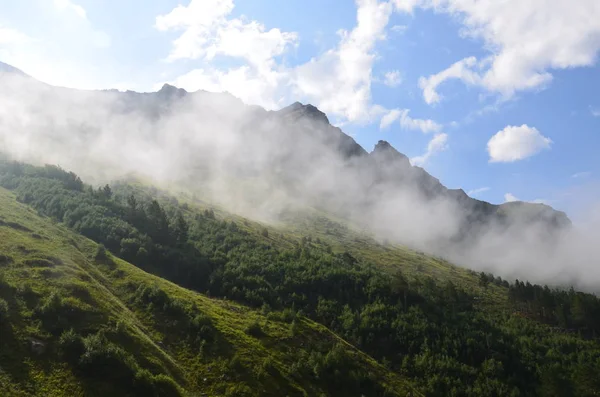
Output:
x=262 y=164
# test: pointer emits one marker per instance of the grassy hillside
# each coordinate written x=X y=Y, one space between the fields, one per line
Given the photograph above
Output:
x=320 y=228
x=452 y=332
x=136 y=334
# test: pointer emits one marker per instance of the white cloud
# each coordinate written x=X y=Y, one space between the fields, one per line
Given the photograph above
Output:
x=81 y=22
x=10 y=37
x=337 y=81
x=583 y=174
x=526 y=41
x=509 y=198
x=65 y=48
x=198 y=14
x=12 y=42
x=478 y=191
x=242 y=82
x=405 y=5
x=459 y=70
x=516 y=143
x=437 y=144
x=407 y=122
x=393 y=78
x=340 y=79
x=424 y=125
x=70 y=6
x=399 y=28
x=389 y=118
x=207 y=32
x=595 y=111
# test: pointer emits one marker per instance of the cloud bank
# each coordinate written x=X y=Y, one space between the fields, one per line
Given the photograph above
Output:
x=264 y=165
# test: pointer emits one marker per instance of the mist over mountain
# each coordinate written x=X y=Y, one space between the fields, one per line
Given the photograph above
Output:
x=262 y=164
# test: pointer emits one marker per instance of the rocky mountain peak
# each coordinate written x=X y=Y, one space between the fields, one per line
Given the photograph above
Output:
x=169 y=91
x=384 y=151
x=298 y=109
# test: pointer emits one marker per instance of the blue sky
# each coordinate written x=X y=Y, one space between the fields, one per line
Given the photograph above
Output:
x=497 y=98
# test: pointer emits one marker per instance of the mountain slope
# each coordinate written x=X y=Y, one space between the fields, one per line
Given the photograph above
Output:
x=143 y=335
x=451 y=331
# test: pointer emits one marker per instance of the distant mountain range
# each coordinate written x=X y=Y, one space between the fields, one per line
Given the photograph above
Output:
x=294 y=152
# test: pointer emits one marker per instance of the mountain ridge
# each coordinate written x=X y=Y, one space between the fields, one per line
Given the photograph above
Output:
x=384 y=166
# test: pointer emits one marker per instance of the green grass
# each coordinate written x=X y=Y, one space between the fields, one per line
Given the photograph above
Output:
x=41 y=260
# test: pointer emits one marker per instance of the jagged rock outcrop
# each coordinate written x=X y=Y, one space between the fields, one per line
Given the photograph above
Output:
x=314 y=122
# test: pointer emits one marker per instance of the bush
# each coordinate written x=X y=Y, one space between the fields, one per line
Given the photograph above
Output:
x=240 y=390
x=165 y=386
x=71 y=346
x=294 y=328
x=235 y=364
x=101 y=255
x=201 y=326
x=254 y=329
x=153 y=295
x=51 y=307
x=146 y=384
x=286 y=316
x=98 y=358
x=266 y=368
x=5 y=259
x=102 y=357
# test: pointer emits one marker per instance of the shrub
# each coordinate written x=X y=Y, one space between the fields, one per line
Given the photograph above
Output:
x=5 y=259
x=98 y=358
x=201 y=326
x=165 y=386
x=266 y=368
x=71 y=346
x=240 y=390
x=235 y=364
x=101 y=255
x=51 y=306
x=294 y=328
x=58 y=314
x=288 y=315
x=103 y=359
x=146 y=384
x=153 y=295
x=254 y=329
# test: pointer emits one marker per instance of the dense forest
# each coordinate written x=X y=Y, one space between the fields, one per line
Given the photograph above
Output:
x=536 y=341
